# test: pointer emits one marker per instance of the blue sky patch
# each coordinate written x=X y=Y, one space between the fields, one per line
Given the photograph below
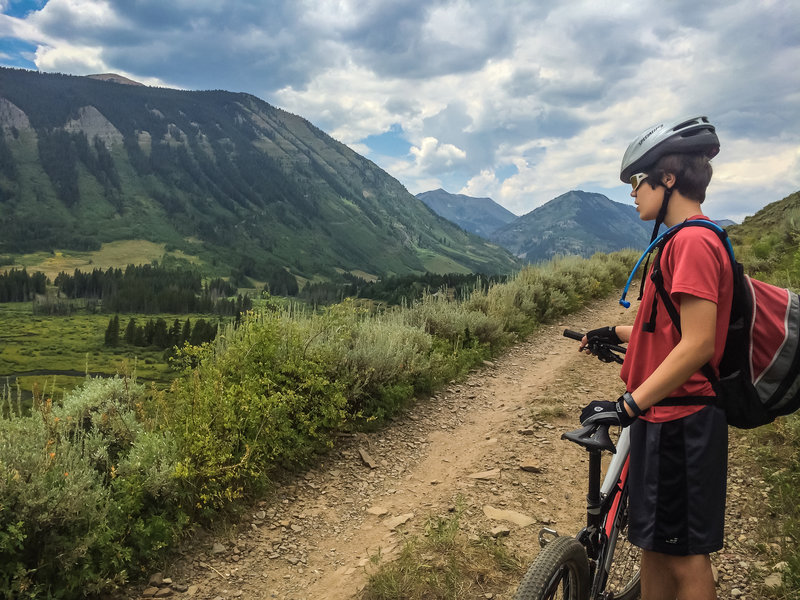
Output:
x=389 y=143
x=503 y=172
x=17 y=53
x=20 y=8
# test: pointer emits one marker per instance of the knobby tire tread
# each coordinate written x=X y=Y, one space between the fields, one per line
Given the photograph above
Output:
x=561 y=552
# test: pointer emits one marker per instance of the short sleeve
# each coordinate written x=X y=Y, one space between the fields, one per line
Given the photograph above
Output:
x=695 y=260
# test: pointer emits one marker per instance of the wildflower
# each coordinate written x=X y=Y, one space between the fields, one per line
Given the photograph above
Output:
x=52 y=455
x=66 y=473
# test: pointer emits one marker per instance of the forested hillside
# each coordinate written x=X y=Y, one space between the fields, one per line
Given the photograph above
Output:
x=768 y=243
x=218 y=175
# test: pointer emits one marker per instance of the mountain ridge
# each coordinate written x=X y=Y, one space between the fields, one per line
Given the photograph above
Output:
x=480 y=216
x=222 y=176
x=577 y=222
x=114 y=77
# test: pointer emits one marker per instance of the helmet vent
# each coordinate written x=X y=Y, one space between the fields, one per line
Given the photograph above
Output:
x=688 y=123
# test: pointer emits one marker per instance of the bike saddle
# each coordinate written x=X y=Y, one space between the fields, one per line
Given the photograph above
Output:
x=591 y=437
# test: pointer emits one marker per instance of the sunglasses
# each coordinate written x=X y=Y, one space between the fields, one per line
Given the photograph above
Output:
x=637 y=179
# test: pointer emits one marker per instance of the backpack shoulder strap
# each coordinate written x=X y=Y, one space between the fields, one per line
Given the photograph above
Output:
x=721 y=233
x=658 y=280
x=657 y=277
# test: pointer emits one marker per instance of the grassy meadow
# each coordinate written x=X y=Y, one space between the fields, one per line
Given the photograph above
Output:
x=112 y=254
x=53 y=354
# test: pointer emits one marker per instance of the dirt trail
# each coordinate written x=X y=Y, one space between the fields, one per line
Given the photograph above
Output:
x=466 y=445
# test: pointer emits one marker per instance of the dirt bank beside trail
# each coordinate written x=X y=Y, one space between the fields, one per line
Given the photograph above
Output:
x=467 y=444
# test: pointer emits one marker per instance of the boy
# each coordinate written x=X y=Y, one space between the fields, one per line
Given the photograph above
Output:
x=678 y=460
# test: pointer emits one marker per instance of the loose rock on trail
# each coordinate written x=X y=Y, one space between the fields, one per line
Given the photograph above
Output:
x=490 y=443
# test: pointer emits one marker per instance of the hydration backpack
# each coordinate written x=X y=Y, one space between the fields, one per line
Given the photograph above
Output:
x=759 y=375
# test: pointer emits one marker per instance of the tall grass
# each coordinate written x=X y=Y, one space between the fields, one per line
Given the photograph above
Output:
x=97 y=486
x=444 y=564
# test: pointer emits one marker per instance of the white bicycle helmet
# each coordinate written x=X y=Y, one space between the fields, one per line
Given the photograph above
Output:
x=689 y=135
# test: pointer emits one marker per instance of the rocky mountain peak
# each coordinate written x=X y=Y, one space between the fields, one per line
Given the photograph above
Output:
x=114 y=78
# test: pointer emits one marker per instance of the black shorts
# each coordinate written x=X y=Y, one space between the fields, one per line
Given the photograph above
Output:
x=677 y=481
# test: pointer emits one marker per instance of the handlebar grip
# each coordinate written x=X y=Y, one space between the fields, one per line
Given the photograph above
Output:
x=573 y=334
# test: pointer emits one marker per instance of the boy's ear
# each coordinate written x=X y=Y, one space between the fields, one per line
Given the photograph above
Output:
x=668 y=179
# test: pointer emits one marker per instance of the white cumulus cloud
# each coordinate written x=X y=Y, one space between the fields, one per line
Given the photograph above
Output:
x=555 y=89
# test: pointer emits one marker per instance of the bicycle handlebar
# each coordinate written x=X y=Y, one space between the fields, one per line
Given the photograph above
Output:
x=594 y=437
x=605 y=352
x=573 y=334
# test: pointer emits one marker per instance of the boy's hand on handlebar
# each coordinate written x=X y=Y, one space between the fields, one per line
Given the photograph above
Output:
x=605 y=335
x=600 y=343
x=605 y=412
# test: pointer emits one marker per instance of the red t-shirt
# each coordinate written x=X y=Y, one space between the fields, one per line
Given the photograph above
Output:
x=693 y=262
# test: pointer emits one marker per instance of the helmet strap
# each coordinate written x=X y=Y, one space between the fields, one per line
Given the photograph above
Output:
x=662 y=214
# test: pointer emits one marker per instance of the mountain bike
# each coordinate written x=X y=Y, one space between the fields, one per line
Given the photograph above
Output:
x=599 y=563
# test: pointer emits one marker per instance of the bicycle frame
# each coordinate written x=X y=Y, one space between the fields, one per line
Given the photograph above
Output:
x=614 y=489
x=602 y=511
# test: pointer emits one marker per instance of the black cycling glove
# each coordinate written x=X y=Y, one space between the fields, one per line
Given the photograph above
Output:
x=598 y=339
x=610 y=413
x=607 y=335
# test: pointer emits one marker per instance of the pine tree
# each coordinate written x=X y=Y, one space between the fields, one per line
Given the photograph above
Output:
x=161 y=334
x=186 y=334
x=175 y=338
x=130 y=332
x=112 y=332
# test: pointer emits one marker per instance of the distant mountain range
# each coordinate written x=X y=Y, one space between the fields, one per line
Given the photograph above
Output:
x=578 y=223
x=222 y=178
x=481 y=216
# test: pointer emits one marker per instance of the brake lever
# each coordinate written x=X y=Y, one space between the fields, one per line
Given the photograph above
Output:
x=604 y=353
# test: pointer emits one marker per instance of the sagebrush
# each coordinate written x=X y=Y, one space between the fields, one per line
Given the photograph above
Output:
x=96 y=486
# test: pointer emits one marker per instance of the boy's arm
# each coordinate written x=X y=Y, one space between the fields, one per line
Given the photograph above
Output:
x=624 y=332
x=696 y=348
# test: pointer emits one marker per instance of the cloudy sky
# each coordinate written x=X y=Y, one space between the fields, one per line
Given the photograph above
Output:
x=518 y=100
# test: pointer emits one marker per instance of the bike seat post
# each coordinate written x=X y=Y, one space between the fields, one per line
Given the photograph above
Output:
x=593 y=498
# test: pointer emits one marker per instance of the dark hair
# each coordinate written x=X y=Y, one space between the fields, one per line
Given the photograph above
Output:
x=692 y=174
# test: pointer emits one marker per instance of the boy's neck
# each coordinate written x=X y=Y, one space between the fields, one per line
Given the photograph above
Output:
x=681 y=208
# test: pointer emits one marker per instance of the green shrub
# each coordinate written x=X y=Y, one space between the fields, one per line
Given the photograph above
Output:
x=68 y=524
x=544 y=292
x=265 y=401
x=455 y=322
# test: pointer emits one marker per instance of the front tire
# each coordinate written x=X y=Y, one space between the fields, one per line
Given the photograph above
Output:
x=561 y=571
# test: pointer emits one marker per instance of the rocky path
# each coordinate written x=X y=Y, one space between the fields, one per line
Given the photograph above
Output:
x=491 y=443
